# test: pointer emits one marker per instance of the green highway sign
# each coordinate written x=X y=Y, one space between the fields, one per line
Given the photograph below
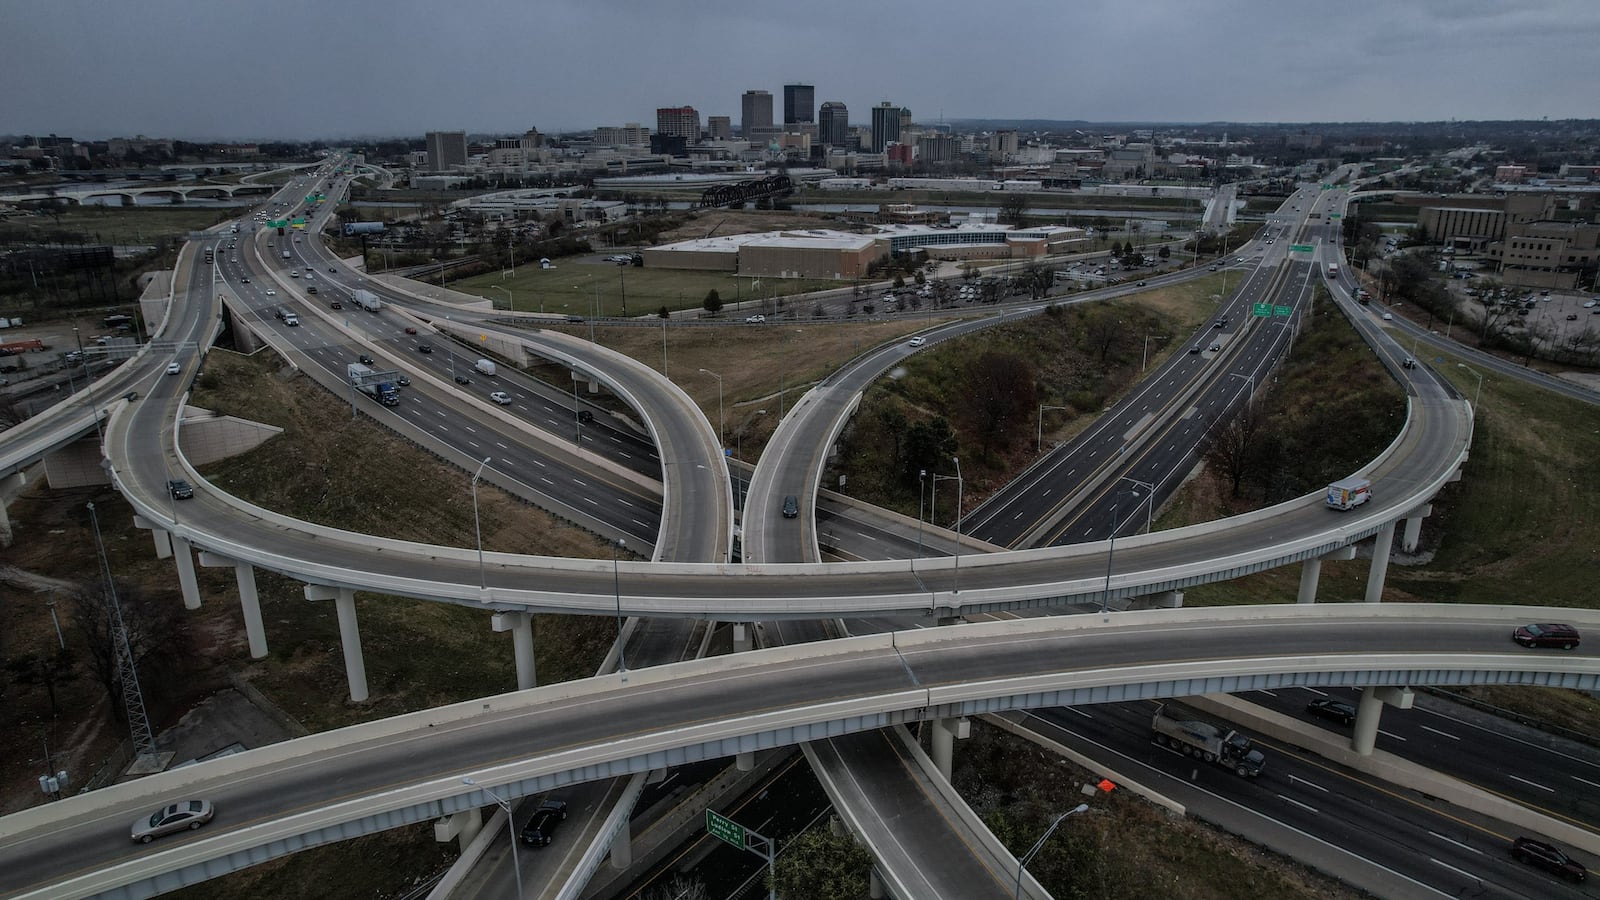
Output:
x=1263 y=310
x=1301 y=248
x=1335 y=216
x=1282 y=311
x=725 y=828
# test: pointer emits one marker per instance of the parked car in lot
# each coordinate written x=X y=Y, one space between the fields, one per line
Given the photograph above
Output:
x=542 y=824
x=1332 y=710
x=1548 y=634
x=186 y=815
x=1548 y=857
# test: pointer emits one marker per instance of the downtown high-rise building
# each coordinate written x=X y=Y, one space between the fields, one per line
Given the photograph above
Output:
x=885 y=126
x=799 y=105
x=679 y=121
x=719 y=128
x=446 y=149
x=833 y=124
x=755 y=109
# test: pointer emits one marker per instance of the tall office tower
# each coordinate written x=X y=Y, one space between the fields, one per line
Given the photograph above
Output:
x=679 y=121
x=885 y=125
x=446 y=149
x=833 y=124
x=755 y=109
x=799 y=105
x=719 y=128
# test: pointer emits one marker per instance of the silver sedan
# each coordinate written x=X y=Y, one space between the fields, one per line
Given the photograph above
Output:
x=189 y=814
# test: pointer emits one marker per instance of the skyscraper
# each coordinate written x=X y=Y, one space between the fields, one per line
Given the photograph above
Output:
x=446 y=149
x=679 y=121
x=799 y=104
x=885 y=125
x=755 y=112
x=719 y=128
x=833 y=124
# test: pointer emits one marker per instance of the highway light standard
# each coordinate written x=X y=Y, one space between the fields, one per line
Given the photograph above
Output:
x=616 y=584
x=511 y=828
x=476 y=527
x=511 y=301
x=922 y=488
x=721 y=427
x=1023 y=862
x=1038 y=440
x=960 y=492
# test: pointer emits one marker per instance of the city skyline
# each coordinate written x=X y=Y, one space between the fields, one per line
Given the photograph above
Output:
x=303 y=70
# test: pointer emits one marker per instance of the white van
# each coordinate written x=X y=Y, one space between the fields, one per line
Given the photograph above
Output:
x=485 y=367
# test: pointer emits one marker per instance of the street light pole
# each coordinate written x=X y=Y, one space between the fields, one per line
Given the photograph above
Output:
x=616 y=583
x=721 y=426
x=511 y=300
x=922 y=488
x=1105 y=596
x=1151 y=512
x=1023 y=862
x=476 y=526
x=960 y=492
x=1038 y=440
x=511 y=828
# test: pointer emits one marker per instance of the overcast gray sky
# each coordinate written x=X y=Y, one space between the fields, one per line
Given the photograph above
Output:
x=318 y=69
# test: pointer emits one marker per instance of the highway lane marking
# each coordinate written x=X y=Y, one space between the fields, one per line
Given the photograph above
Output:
x=1526 y=743
x=1305 y=806
x=1451 y=840
x=1454 y=869
x=501 y=446
x=1296 y=779
x=1077 y=711
x=1447 y=734
x=1531 y=783
x=1585 y=781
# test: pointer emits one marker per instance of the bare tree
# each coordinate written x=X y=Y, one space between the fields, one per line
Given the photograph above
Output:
x=1001 y=395
x=1232 y=448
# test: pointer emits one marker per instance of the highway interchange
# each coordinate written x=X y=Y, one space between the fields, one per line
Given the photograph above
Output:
x=328 y=348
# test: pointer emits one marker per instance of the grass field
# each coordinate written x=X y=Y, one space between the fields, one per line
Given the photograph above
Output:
x=117 y=225
x=575 y=286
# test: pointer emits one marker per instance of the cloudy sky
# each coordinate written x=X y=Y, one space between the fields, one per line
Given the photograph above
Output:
x=317 y=69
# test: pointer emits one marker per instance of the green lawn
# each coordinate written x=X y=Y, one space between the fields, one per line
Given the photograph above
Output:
x=574 y=287
x=116 y=224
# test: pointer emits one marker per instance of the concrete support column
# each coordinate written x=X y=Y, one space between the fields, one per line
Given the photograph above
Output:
x=622 y=847
x=10 y=486
x=1310 y=571
x=745 y=761
x=594 y=386
x=874 y=884
x=520 y=624
x=249 y=601
x=183 y=555
x=741 y=637
x=1409 y=537
x=462 y=826
x=1365 y=733
x=355 y=666
x=163 y=543
x=942 y=739
x=1380 y=563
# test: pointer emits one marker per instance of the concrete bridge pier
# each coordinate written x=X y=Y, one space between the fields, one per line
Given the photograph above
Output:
x=1409 y=537
x=874 y=884
x=9 y=486
x=1373 y=699
x=594 y=386
x=183 y=555
x=1311 y=571
x=355 y=665
x=249 y=600
x=158 y=533
x=1380 y=563
x=462 y=826
x=942 y=737
x=520 y=624
x=622 y=846
x=743 y=637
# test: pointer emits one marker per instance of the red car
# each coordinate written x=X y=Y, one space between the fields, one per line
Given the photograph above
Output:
x=410 y=330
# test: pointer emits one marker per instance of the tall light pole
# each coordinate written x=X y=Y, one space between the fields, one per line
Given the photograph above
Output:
x=511 y=828
x=1144 y=361
x=476 y=527
x=1151 y=513
x=624 y=282
x=1023 y=862
x=1105 y=596
x=721 y=426
x=922 y=489
x=511 y=301
x=1038 y=440
x=616 y=584
x=960 y=492
x=1477 y=393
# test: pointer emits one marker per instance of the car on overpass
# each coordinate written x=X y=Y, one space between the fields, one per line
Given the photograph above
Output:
x=184 y=816
x=1546 y=635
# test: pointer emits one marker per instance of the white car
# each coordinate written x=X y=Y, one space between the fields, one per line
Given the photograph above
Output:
x=918 y=341
x=501 y=397
x=173 y=368
x=756 y=319
x=1388 y=317
x=272 y=293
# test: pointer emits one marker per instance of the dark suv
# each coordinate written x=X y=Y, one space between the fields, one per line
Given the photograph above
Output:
x=180 y=489
x=1332 y=710
x=791 y=507
x=1548 y=857
x=1546 y=635
x=542 y=825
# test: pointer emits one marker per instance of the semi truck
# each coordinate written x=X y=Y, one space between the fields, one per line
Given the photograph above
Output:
x=1349 y=493
x=367 y=300
x=1215 y=744
x=362 y=376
